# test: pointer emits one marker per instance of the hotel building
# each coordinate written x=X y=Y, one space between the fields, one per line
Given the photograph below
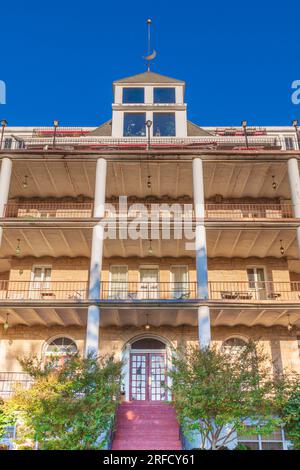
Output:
x=92 y=256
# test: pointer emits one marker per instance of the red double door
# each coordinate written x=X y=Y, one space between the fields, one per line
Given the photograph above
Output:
x=148 y=379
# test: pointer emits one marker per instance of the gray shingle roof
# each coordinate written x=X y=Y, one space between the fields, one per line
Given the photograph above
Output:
x=148 y=77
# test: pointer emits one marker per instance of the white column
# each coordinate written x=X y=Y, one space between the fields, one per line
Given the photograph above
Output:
x=294 y=179
x=204 y=330
x=201 y=254
x=93 y=318
x=5 y=177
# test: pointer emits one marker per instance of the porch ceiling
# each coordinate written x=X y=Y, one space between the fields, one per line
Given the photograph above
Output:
x=247 y=242
x=40 y=242
x=44 y=316
x=242 y=242
x=53 y=179
x=266 y=316
x=174 y=179
x=255 y=316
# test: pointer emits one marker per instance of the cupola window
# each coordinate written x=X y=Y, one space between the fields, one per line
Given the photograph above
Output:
x=164 y=95
x=133 y=95
x=134 y=124
x=164 y=124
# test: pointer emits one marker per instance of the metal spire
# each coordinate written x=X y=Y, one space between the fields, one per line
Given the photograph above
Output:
x=150 y=55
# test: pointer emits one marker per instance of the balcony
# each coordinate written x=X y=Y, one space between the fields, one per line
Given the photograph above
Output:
x=48 y=291
x=148 y=291
x=248 y=211
x=139 y=292
x=169 y=210
x=44 y=210
x=262 y=291
x=73 y=141
x=10 y=380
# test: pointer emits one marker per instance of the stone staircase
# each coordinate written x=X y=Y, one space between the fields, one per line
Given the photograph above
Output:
x=146 y=426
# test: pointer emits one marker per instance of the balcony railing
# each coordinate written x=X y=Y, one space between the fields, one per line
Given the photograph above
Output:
x=213 y=141
x=137 y=291
x=248 y=211
x=46 y=290
x=44 y=210
x=10 y=380
x=172 y=210
x=165 y=210
x=152 y=291
x=254 y=291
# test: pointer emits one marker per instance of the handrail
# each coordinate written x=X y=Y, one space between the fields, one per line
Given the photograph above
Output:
x=247 y=291
x=47 y=210
x=77 y=291
x=43 y=290
x=165 y=209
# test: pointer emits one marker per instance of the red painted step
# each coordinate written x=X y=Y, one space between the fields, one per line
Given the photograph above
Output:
x=146 y=426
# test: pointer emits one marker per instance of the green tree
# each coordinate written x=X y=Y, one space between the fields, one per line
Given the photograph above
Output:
x=214 y=389
x=67 y=407
x=291 y=415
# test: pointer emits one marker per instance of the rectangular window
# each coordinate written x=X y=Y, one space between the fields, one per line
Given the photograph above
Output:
x=164 y=95
x=289 y=143
x=133 y=95
x=134 y=124
x=274 y=441
x=164 y=124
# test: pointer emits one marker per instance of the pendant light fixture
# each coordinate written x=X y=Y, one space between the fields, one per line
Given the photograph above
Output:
x=274 y=184
x=18 y=249
x=282 y=251
x=6 y=324
x=289 y=325
x=147 y=326
x=25 y=182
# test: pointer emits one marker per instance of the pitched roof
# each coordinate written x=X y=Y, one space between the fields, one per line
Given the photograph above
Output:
x=149 y=77
x=104 y=130
x=193 y=130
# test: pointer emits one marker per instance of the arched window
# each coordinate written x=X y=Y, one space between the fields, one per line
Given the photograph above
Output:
x=60 y=349
x=148 y=343
x=234 y=345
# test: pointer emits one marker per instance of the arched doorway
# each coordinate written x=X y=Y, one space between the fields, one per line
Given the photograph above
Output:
x=147 y=370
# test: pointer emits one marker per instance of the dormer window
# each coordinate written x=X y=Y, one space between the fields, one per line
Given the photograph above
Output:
x=134 y=124
x=164 y=124
x=133 y=95
x=164 y=95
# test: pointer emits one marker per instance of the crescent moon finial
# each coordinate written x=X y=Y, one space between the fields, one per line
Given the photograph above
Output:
x=150 y=56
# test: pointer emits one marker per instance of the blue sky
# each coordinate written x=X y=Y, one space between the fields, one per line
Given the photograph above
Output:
x=59 y=59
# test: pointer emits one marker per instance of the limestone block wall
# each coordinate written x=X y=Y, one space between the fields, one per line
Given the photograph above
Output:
x=280 y=345
x=219 y=269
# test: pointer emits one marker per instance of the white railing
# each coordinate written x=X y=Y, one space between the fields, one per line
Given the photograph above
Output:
x=239 y=141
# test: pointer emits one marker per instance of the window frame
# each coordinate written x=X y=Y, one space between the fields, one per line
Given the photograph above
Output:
x=161 y=113
x=133 y=88
x=164 y=88
x=132 y=113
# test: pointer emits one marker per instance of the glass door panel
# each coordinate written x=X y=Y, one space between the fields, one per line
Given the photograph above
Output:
x=149 y=287
x=138 y=377
x=179 y=275
x=119 y=284
x=157 y=379
x=256 y=281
